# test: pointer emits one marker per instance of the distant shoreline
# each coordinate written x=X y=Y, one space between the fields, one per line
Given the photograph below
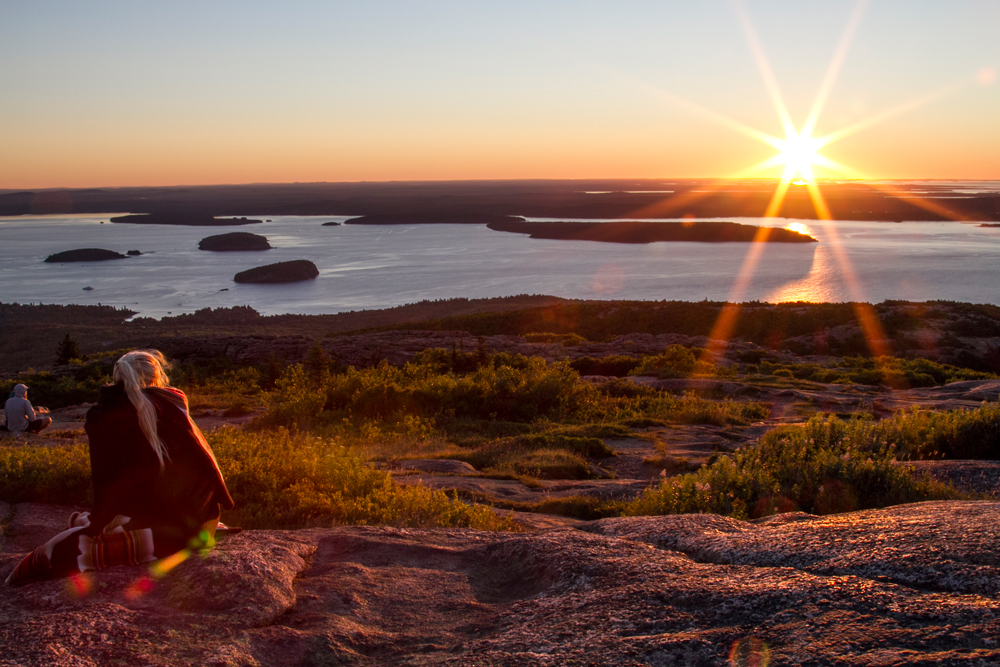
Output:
x=595 y=199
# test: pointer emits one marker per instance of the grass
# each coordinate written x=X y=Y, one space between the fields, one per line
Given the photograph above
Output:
x=278 y=480
x=57 y=475
x=286 y=480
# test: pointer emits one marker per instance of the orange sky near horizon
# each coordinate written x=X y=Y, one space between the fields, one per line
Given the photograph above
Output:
x=119 y=95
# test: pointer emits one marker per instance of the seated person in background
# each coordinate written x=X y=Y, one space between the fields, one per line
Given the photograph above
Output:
x=20 y=415
x=157 y=486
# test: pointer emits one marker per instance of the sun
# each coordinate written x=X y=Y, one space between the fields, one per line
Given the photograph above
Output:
x=798 y=154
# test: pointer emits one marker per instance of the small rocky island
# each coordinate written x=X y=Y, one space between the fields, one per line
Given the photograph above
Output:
x=234 y=242
x=84 y=255
x=635 y=231
x=331 y=224
x=434 y=218
x=282 y=272
x=184 y=219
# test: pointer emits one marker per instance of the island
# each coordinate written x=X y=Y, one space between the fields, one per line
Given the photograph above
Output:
x=234 y=242
x=635 y=231
x=282 y=272
x=84 y=255
x=331 y=224
x=441 y=217
x=184 y=219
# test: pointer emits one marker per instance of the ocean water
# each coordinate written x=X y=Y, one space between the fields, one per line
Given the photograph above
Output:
x=363 y=267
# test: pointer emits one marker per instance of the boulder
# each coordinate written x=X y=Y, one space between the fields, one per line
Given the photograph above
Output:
x=84 y=255
x=282 y=272
x=234 y=242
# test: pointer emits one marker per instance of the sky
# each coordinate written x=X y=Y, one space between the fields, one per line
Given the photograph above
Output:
x=102 y=93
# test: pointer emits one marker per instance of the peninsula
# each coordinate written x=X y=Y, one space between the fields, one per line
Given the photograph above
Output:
x=183 y=219
x=635 y=231
x=439 y=217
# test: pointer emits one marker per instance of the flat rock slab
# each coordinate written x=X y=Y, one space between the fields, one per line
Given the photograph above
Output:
x=440 y=466
x=914 y=584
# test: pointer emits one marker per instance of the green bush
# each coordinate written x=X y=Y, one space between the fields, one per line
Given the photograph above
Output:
x=812 y=468
x=955 y=434
x=677 y=361
x=565 y=339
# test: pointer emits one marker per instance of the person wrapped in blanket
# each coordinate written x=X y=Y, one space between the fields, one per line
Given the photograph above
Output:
x=157 y=486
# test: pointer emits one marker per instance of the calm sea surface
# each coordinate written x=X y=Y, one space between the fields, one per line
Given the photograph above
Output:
x=364 y=267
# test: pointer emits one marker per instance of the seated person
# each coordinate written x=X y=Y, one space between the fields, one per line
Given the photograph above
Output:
x=19 y=414
x=157 y=486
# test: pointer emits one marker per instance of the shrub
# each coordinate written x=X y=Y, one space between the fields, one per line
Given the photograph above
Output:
x=565 y=339
x=811 y=468
x=955 y=434
x=677 y=361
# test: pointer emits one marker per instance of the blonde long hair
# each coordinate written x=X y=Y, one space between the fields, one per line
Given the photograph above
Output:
x=136 y=370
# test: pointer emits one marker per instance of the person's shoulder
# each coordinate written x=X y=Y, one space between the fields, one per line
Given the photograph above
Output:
x=109 y=397
x=111 y=393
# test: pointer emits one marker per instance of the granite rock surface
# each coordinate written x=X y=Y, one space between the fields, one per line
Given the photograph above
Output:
x=914 y=584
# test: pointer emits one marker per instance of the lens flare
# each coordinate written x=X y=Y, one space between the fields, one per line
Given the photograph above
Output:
x=750 y=652
x=80 y=584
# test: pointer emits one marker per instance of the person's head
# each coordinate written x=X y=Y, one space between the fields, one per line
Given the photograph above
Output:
x=136 y=370
x=142 y=368
x=20 y=391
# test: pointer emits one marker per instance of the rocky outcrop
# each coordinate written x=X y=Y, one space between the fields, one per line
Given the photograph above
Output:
x=84 y=255
x=234 y=242
x=330 y=224
x=914 y=584
x=283 y=272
